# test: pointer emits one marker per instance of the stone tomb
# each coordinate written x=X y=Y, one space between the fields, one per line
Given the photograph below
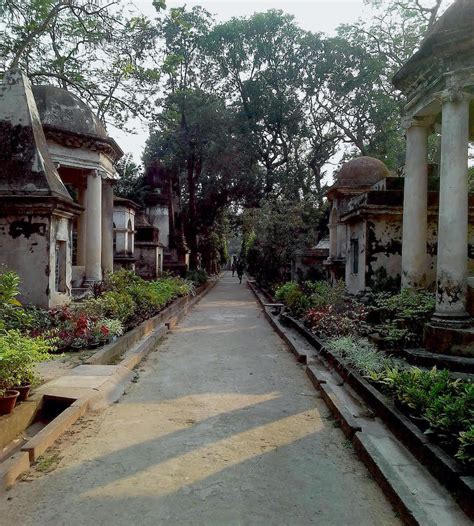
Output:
x=56 y=175
x=438 y=83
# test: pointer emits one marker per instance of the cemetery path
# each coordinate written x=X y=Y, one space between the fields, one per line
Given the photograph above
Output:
x=222 y=427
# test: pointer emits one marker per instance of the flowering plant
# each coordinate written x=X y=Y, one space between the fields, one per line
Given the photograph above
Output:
x=342 y=320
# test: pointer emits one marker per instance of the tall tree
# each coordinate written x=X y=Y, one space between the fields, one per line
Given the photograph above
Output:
x=94 y=49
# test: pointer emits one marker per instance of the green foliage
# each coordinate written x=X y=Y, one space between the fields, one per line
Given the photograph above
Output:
x=97 y=50
x=294 y=298
x=278 y=229
x=19 y=355
x=199 y=277
x=300 y=298
x=360 y=354
x=465 y=452
x=131 y=184
x=9 y=288
x=400 y=317
x=111 y=304
x=322 y=293
x=130 y=299
x=444 y=403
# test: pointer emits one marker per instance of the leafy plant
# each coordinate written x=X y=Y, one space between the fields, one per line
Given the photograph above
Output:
x=332 y=321
x=360 y=354
x=199 y=277
x=112 y=304
x=465 y=452
x=19 y=355
x=400 y=318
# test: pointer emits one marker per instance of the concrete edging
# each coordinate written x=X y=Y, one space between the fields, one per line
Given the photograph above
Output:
x=401 y=496
x=21 y=461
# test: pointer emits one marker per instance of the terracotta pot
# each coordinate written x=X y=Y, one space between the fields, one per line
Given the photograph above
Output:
x=24 y=391
x=8 y=401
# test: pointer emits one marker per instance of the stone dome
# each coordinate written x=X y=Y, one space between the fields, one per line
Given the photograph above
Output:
x=363 y=171
x=63 y=111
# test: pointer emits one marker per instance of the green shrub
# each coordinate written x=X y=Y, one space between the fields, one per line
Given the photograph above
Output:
x=294 y=298
x=323 y=294
x=446 y=404
x=122 y=279
x=112 y=304
x=12 y=314
x=199 y=277
x=453 y=411
x=104 y=329
x=19 y=355
x=289 y=288
x=360 y=354
x=319 y=294
x=465 y=452
x=401 y=317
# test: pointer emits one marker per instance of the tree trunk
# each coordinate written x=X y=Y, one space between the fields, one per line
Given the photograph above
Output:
x=193 y=166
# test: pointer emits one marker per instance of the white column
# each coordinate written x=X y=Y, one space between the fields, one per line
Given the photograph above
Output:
x=332 y=232
x=81 y=229
x=107 y=226
x=451 y=281
x=415 y=204
x=94 y=227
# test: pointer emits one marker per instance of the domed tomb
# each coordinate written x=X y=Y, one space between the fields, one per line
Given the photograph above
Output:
x=361 y=172
x=62 y=110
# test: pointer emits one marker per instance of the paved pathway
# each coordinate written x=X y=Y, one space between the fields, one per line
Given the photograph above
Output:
x=222 y=427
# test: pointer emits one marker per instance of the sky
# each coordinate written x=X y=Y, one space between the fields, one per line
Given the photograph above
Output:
x=312 y=15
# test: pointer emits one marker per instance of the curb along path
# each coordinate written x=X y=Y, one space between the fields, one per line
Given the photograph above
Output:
x=96 y=383
x=221 y=427
x=415 y=493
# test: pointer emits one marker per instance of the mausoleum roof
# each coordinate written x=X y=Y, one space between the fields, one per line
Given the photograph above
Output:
x=360 y=172
x=62 y=110
x=444 y=47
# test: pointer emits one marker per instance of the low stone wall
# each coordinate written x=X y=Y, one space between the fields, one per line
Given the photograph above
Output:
x=127 y=352
x=450 y=473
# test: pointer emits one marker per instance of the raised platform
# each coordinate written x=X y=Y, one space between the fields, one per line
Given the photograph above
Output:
x=449 y=340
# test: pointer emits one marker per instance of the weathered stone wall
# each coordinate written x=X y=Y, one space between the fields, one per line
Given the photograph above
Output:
x=355 y=282
x=380 y=246
x=124 y=227
x=24 y=248
x=61 y=231
x=149 y=260
x=158 y=216
x=384 y=248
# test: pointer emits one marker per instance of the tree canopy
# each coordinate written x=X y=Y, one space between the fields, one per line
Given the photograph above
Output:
x=248 y=113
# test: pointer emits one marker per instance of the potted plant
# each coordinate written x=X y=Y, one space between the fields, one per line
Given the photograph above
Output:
x=8 y=397
x=19 y=355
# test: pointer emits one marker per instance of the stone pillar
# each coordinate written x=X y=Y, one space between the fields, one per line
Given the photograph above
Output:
x=107 y=226
x=451 y=280
x=94 y=228
x=332 y=233
x=81 y=229
x=415 y=204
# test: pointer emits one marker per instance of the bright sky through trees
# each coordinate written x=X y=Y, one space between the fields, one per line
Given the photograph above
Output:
x=311 y=15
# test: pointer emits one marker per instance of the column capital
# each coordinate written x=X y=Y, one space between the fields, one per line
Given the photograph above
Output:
x=454 y=94
x=425 y=121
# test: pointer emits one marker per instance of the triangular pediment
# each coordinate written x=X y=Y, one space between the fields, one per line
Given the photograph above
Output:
x=26 y=167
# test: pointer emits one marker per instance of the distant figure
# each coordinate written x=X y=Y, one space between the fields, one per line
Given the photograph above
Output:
x=240 y=270
x=233 y=268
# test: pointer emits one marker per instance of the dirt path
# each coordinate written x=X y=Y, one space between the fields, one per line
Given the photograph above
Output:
x=222 y=427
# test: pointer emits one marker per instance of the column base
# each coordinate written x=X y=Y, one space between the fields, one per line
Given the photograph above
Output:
x=452 y=340
x=458 y=320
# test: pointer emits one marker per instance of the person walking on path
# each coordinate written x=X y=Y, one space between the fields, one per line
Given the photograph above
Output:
x=240 y=270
